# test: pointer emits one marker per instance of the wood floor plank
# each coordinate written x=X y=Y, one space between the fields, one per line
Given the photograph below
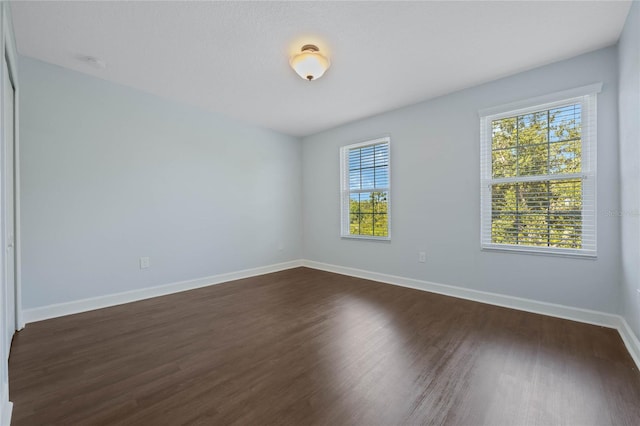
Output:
x=310 y=347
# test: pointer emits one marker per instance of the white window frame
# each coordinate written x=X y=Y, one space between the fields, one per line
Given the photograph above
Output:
x=586 y=97
x=345 y=190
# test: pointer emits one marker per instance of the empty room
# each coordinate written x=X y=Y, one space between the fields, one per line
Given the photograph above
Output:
x=320 y=213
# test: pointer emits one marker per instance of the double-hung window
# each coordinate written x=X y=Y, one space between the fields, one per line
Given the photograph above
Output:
x=538 y=174
x=365 y=189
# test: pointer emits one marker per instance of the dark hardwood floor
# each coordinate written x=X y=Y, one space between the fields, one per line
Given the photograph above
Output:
x=304 y=347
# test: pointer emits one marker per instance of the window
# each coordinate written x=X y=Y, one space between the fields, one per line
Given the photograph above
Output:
x=538 y=175
x=365 y=189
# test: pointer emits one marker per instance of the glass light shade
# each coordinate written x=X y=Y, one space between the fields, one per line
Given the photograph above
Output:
x=309 y=64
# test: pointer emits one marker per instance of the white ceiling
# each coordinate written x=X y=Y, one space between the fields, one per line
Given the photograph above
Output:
x=232 y=57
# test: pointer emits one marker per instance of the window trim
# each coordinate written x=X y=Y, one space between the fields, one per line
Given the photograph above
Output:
x=345 y=190
x=587 y=97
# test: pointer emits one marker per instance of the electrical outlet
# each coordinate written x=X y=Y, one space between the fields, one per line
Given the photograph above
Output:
x=422 y=257
x=144 y=262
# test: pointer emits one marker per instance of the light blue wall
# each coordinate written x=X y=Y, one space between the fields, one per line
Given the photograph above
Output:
x=436 y=193
x=629 y=112
x=110 y=174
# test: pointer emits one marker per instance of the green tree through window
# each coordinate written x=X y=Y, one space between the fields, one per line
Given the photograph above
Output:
x=538 y=174
x=365 y=189
x=545 y=212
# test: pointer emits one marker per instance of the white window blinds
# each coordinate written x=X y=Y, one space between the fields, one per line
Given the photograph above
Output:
x=538 y=175
x=365 y=189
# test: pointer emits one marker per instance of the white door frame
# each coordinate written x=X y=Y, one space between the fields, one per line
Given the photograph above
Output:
x=8 y=211
x=9 y=52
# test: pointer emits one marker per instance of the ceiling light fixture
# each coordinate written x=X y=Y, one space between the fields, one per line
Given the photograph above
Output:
x=310 y=64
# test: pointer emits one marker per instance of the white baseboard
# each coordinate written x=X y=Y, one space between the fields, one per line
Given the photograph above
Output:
x=630 y=340
x=6 y=407
x=84 y=305
x=551 y=309
x=521 y=304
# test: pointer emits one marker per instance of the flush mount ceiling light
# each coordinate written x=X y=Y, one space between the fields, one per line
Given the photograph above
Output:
x=310 y=64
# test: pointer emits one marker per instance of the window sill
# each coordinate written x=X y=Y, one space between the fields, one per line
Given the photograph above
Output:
x=538 y=251
x=365 y=238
